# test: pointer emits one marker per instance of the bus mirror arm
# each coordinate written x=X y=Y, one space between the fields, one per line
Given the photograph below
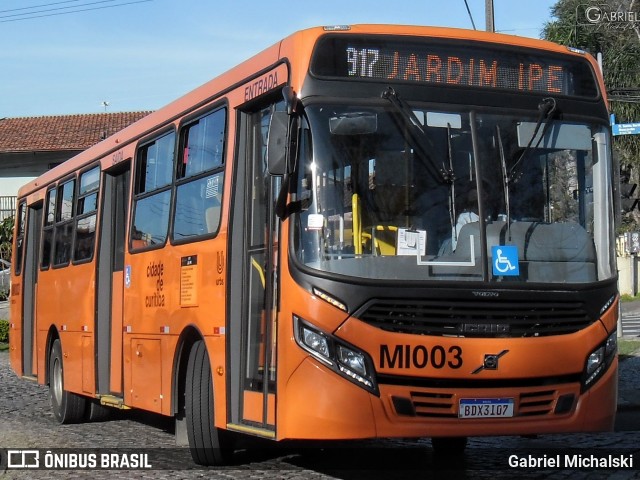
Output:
x=284 y=209
x=290 y=99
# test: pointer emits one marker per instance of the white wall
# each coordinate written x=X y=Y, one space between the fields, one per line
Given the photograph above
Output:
x=9 y=185
x=626 y=274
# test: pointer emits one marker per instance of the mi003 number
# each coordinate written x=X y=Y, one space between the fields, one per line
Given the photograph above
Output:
x=420 y=356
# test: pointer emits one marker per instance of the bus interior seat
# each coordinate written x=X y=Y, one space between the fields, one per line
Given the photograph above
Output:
x=212 y=218
x=548 y=250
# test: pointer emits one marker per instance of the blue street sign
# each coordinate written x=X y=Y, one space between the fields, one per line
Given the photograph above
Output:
x=624 y=128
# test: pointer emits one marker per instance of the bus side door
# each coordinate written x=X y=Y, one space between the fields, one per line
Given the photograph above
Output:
x=253 y=281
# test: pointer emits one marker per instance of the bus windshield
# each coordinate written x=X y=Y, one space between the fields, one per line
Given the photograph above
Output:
x=421 y=194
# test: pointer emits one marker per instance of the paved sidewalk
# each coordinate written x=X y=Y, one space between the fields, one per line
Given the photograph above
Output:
x=629 y=374
x=630 y=308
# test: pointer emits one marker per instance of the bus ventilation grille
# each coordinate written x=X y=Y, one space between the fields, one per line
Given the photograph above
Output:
x=443 y=405
x=459 y=318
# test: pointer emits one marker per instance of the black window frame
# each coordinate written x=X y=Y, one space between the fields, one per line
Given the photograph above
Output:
x=82 y=214
x=48 y=227
x=140 y=194
x=183 y=179
x=63 y=223
x=21 y=227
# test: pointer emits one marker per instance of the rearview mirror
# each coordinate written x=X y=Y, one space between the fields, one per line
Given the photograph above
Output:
x=277 y=143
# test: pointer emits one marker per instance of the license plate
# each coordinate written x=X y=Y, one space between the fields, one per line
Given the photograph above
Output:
x=485 y=408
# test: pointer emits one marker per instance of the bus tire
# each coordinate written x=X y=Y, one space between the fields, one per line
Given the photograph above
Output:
x=206 y=442
x=97 y=412
x=449 y=445
x=67 y=407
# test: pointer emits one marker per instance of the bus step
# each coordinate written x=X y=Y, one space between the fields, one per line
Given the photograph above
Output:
x=112 y=401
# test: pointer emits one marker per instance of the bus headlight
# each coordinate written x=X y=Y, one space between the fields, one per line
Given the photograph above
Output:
x=316 y=342
x=352 y=360
x=344 y=359
x=599 y=360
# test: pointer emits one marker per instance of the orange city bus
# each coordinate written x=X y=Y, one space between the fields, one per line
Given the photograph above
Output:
x=361 y=232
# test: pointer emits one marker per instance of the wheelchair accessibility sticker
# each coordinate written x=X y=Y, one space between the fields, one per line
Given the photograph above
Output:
x=505 y=260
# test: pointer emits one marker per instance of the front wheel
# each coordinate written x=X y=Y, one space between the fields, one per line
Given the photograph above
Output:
x=208 y=444
x=67 y=407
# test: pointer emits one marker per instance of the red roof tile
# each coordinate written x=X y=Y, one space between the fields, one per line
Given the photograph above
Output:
x=64 y=132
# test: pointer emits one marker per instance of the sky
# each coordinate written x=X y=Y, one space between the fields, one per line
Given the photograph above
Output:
x=71 y=57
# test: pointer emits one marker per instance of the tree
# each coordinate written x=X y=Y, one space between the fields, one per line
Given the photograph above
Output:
x=6 y=237
x=619 y=44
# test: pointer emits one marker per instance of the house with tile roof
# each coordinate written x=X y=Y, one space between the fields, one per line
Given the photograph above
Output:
x=30 y=146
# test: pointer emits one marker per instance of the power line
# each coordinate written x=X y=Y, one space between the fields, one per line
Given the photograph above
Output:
x=470 y=16
x=38 y=6
x=32 y=15
x=56 y=9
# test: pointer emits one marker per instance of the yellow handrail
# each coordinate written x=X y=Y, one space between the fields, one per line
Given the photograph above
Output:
x=357 y=224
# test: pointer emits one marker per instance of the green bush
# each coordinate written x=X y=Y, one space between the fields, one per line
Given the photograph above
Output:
x=4 y=331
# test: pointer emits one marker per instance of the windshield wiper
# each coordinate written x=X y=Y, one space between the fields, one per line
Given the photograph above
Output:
x=547 y=108
x=505 y=179
x=418 y=137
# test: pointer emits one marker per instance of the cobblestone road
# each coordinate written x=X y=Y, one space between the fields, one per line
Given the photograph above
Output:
x=26 y=421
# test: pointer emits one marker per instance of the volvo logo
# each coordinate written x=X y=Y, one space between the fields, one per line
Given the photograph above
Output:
x=485 y=294
x=490 y=361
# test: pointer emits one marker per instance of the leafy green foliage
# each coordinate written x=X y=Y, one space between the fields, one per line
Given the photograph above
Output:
x=620 y=48
x=6 y=237
x=4 y=331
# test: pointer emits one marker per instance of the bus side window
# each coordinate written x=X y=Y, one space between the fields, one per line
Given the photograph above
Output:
x=20 y=238
x=86 y=207
x=64 y=224
x=47 y=234
x=200 y=177
x=154 y=166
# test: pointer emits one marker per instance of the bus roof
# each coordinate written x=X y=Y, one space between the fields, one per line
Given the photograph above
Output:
x=298 y=45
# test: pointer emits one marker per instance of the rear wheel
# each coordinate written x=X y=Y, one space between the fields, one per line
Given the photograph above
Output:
x=67 y=407
x=97 y=412
x=208 y=444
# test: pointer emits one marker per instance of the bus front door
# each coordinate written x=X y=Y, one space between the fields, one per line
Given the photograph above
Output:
x=253 y=283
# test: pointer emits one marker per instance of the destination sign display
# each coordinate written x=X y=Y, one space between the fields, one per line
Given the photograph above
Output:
x=432 y=61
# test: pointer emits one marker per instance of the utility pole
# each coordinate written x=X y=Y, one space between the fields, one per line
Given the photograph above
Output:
x=488 y=13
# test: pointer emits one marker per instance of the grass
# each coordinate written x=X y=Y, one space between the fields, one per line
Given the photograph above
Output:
x=625 y=297
x=627 y=347
x=4 y=334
